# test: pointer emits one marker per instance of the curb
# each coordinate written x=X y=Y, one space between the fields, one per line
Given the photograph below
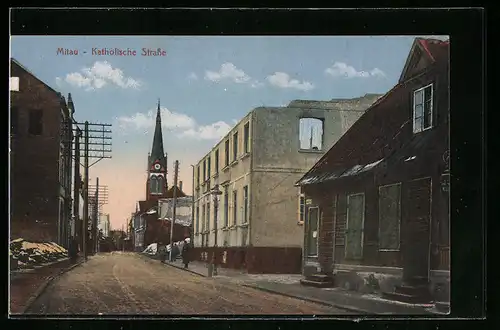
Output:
x=45 y=284
x=172 y=265
x=317 y=301
x=184 y=269
x=313 y=300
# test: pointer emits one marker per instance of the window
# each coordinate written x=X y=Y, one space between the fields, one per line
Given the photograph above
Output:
x=14 y=120
x=389 y=217
x=35 y=122
x=208 y=217
x=422 y=109
x=226 y=209
x=311 y=133
x=246 y=137
x=209 y=165
x=226 y=152
x=204 y=216
x=302 y=206
x=245 y=204
x=159 y=186
x=153 y=184
x=14 y=84
x=312 y=231
x=216 y=216
x=217 y=161
x=235 y=146
x=198 y=175
x=204 y=170
x=235 y=207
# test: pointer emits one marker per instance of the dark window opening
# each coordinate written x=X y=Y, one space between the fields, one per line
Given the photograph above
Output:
x=226 y=209
x=14 y=120
x=226 y=152
x=246 y=137
x=245 y=204
x=35 y=122
x=235 y=207
x=216 y=161
x=235 y=146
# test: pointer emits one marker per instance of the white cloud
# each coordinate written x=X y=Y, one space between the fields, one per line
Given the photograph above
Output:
x=228 y=72
x=98 y=76
x=340 y=69
x=283 y=80
x=213 y=131
x=193 y=76
x=181 y=124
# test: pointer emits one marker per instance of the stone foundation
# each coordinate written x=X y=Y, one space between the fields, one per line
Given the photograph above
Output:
x=367 y=279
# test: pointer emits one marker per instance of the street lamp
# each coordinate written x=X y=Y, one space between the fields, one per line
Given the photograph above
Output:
x=215 y=192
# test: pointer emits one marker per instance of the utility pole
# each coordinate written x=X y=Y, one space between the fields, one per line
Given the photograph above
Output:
x=76 y=189
x=192 y=211
x=85 y=224
x=96 y=215
x=176 y=173
x=100 y=193
x=100 y=151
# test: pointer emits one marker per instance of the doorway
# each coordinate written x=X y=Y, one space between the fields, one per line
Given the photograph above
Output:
x=416 y=242
x=355 y=226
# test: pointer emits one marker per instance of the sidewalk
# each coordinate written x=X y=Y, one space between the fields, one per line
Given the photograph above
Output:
x=289 y=285
x=27 y=284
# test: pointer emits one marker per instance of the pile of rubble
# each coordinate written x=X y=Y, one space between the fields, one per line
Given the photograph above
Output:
x=25 y=254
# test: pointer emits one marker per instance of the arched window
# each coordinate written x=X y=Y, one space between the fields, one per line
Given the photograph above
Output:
x=159 y=188
x=153 y=184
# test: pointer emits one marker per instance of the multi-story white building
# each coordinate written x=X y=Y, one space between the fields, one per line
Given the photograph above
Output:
x=104 y=224
x=255 y=166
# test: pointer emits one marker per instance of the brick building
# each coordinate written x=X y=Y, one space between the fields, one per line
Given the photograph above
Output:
x=40 y=159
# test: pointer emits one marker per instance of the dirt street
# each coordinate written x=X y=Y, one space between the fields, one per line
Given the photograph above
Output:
x=126 y=283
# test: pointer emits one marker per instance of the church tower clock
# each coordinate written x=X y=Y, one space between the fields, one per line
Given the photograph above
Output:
x=156 y=186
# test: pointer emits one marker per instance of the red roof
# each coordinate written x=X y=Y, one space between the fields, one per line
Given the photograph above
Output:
x=434 y=48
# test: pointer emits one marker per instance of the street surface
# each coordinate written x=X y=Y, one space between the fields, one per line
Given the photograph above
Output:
x=126 y=283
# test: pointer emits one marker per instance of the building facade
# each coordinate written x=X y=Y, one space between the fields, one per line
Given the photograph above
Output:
x=378 y=201
x=255 y=166
x=40 y=159
x=104 y=224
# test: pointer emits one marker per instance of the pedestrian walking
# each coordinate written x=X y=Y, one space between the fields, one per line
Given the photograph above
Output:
x=185 y=252
x=73 y=250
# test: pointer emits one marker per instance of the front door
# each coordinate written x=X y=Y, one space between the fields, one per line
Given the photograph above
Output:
x=312 y=225
x=355 y=226
x=416 y=242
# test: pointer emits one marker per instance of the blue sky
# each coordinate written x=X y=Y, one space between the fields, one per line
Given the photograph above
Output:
x=205 y=84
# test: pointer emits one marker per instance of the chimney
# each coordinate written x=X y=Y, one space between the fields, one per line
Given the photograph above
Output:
x=180 y=185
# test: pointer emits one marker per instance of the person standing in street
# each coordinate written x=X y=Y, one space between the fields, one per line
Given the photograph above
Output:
x=73 y=250
x=185 y=252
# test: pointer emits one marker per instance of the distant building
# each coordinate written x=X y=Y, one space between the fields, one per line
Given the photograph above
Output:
x=147 y=226
x=259 y=222
x=40 y=159
x=104 y=224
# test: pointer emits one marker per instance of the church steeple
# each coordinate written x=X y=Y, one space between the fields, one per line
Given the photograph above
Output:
x=157 y=163
x=157 y=152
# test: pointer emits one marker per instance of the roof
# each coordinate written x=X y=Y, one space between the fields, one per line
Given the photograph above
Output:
x=13 y=60
x=374 y=137
x=434 y=49
x=170 y=193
